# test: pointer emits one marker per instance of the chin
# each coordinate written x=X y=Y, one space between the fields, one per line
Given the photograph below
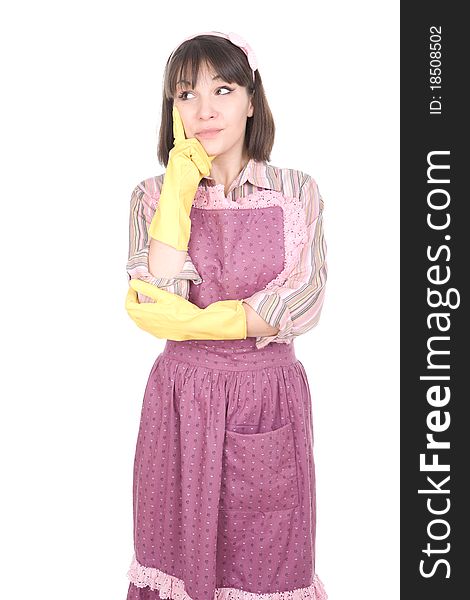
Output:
x=212 y=146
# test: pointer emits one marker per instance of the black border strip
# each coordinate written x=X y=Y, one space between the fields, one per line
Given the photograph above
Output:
x=435 y=268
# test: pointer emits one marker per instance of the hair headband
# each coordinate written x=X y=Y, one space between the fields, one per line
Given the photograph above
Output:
x=236 y=39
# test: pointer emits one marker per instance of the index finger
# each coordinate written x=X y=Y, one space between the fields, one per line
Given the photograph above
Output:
x=178 y=128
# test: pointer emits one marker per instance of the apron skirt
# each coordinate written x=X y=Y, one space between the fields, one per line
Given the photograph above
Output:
x=224 y=476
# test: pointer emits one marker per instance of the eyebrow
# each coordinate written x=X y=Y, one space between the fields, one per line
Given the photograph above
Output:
x=189 y=83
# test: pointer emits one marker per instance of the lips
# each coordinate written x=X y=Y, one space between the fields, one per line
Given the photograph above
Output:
x=208 y=134
x=204 y=131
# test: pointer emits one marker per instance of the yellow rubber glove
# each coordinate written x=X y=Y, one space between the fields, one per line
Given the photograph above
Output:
x=188 y=163
x=172 y=317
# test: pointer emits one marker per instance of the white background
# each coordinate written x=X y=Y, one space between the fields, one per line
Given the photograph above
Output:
x=80 y=113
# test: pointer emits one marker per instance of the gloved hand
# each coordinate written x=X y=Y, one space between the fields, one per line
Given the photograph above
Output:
x=188 y=163
x=175 y=318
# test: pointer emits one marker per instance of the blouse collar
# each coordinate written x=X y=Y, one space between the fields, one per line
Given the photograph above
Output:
x=259 y=173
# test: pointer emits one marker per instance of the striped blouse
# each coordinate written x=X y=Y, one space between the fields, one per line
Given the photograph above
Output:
x=293 y=301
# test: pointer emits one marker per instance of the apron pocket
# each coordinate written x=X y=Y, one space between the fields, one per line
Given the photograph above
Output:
x=259 y=471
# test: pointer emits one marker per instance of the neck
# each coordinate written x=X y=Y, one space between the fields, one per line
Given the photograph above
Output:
x=225 y=169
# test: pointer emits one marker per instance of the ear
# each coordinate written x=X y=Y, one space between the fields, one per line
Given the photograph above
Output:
x=250 y=110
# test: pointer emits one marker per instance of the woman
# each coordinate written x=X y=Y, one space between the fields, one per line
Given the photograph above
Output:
x=227 y=262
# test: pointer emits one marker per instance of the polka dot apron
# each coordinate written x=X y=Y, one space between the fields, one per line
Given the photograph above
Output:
x=224 y=476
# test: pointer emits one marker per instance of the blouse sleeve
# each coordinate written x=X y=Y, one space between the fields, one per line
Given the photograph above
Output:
x=295 y=304
x=143 y=206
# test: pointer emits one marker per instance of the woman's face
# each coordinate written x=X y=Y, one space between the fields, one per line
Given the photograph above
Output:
x=215 y=113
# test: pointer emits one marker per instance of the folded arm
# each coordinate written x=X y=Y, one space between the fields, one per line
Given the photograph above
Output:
x=255 y=325
x=293 y=307
x=150 y=260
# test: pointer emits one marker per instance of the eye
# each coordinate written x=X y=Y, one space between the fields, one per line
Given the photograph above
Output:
x=225 y=87
x=183 y=95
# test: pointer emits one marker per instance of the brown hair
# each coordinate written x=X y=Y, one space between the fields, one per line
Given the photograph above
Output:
x=230 y=62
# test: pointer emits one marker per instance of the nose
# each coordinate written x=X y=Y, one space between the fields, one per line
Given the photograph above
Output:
x=206 y=109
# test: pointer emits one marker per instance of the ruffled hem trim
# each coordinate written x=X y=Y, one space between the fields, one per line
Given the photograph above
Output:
x=171 y=587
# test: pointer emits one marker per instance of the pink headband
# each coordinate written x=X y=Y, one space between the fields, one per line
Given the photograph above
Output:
x=236 y=39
